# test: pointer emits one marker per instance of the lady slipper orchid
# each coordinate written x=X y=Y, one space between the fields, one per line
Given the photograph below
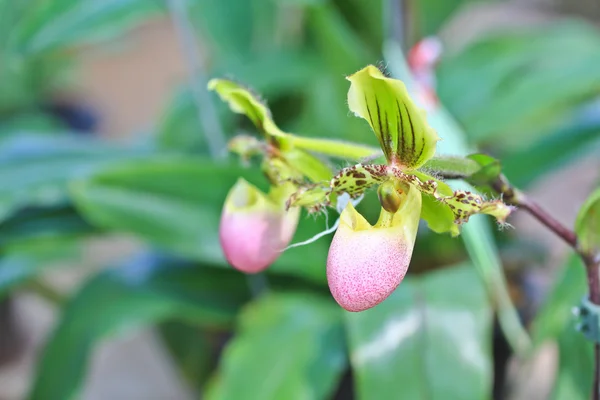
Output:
x=255 y=227
x=366 y=263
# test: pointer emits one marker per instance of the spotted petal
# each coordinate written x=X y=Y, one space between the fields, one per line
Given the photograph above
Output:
x=463 y=204
x=401 y=127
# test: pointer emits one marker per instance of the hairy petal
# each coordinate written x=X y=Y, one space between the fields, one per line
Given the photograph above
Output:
x=243 y=101
x=463 y=204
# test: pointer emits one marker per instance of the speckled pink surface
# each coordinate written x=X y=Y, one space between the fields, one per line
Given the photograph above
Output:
x=364 y=267
x=251 y=241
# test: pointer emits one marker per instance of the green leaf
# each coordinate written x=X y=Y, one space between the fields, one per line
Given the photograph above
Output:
x=35 y=240
x=429 y=339
x=489 y=170
x=32 y=121
x=192 y=348
x=17 y=267
x=572 y=141
x=575 y=366
x=33 y=228
x=179 y=126
x=228 y=29
x=339 y=46
x=176 y=202
x=587 y=225
x=35 y=170
x=527 y=90
x=144 y=292
x=400 y=126
x=61 y=23
x=432 y=14
x=288 y=346
x=556 y=314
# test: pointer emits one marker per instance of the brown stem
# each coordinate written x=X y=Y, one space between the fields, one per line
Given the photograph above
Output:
x=515 y=197
x=547 y=219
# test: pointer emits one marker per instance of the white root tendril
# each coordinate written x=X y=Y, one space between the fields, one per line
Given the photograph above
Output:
x=342 y=202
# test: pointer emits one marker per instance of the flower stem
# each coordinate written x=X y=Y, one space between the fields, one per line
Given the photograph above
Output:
x=517 y=198
x=207 y=114
x=334 y=148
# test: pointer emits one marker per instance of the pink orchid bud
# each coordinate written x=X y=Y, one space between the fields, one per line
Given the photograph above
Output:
x=255 y=228
x=367 y=263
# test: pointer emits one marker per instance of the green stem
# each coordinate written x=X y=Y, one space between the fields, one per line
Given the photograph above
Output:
x=334 y=148
x=207 y=113
x=46 y=292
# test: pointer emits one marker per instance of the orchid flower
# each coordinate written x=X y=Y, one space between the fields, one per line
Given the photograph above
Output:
x=366 y=262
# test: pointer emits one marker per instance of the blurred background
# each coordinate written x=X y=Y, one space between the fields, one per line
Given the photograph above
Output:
x=112 y=282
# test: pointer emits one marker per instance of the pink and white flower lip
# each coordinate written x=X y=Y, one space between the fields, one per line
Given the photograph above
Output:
x=367 y=263
x=255 y=228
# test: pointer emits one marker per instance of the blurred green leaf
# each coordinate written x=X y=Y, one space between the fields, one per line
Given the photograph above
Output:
x=556 y=314
x=38 y=122
x=33 y=228
x=432 y=14
x=35 y=169
x=340 y=47
x=365 y=18
x=192 y=348
x=511 y=87
x=575 y=139
x=587 y=225
x=175 y=203
x=228 y=27
x=59 y=23
x=575 y=366
x=490 y=169
x=288 y=346
x=17 y=267
x=34 y=240
x=179 y=127
x=429 y=339
x=144 y=292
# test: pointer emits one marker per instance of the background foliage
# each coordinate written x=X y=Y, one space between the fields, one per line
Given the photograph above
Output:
x=510 y=95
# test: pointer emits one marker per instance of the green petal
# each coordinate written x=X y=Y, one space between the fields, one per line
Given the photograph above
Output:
x=404 y=135
x=439 y=216
x=242 y=101
x=312 y=196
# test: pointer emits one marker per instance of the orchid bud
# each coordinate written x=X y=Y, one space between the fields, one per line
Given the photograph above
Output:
x=366 y=263
x=255 y=227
